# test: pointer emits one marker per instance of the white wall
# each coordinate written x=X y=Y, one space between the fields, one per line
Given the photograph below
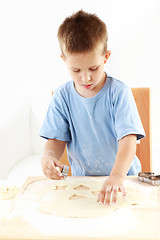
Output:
x=29 y=53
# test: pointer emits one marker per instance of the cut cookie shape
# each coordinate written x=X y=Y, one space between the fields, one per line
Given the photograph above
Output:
x=81 y=187
x=95 y=193
x=60 y=187
x=76 y=197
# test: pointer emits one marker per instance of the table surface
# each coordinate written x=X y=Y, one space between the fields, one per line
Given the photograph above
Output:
x=20 y=218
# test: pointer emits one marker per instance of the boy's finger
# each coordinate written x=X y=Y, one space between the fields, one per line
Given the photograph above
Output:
x=108 y=195
x=48 y=173
x=101 y=196
x=114 y=194
x=123 y=191
x=58 y=163
x=53 y=169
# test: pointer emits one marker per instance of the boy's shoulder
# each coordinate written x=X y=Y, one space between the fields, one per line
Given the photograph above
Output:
x=116 y=84
x=117 y=87
x=63 y=89
x=119 y=91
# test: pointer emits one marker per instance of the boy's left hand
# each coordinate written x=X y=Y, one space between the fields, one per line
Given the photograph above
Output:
x=110 y=188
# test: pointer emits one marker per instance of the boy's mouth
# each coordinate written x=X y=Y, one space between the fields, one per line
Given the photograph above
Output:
x=88 y=86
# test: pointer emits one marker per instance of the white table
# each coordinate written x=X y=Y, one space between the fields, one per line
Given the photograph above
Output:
x=20 y=219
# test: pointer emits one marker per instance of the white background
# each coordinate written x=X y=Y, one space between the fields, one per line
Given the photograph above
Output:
x=30 y=64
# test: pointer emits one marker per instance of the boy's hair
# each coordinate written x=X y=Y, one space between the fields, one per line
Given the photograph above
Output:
x=81 y=32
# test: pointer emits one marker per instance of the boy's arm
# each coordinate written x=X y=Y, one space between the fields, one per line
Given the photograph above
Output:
x=114 y=183
x=53 y=151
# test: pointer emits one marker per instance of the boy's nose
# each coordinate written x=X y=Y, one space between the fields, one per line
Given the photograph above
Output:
x=86 y=78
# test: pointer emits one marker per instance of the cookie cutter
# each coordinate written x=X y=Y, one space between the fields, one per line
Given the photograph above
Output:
x=149 y=177
x=144 y=176
x=65 y=171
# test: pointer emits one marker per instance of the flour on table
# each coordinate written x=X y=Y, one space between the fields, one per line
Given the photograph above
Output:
x=8 y=192
x=78 y=198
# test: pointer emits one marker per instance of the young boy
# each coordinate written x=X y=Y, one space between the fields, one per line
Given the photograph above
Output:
x=93 y=114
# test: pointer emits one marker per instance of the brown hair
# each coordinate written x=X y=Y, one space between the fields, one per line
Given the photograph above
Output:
x=81 y=32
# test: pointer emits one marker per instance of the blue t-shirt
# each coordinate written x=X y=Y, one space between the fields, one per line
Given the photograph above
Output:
x=92 y=126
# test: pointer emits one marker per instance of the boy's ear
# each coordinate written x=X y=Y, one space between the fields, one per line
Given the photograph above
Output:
x=107 y=55
x=62 y=56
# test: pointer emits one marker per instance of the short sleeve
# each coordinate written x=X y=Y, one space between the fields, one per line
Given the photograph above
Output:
x=55 y=125
x=127 y=119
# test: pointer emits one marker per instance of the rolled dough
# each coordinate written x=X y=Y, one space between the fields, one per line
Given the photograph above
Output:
x=78 y=199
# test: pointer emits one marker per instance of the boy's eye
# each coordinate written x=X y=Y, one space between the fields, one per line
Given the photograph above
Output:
x=94 y=69
x=76 y=70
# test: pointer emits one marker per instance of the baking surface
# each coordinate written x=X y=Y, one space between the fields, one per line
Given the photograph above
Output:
x=20 y=217
x=78 y=199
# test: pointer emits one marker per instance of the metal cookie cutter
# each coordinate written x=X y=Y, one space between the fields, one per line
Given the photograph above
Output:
x=155 y=180
x=65 y=171
x=143 y=176
x=149 y=177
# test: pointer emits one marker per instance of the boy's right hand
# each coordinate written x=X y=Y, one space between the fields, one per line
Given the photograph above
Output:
x=49 y=166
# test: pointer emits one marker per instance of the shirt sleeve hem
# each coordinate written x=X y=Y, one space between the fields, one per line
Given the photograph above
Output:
x=139 y=135
x=60 y=138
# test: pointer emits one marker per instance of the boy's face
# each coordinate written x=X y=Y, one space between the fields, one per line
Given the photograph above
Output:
x=87 y=70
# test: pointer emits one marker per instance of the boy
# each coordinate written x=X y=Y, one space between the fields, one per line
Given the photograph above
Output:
x=93 y=114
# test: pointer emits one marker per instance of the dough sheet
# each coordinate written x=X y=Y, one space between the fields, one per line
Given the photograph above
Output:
x=78 y=198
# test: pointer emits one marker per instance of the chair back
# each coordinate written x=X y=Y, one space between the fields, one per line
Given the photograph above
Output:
x=142 y=99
